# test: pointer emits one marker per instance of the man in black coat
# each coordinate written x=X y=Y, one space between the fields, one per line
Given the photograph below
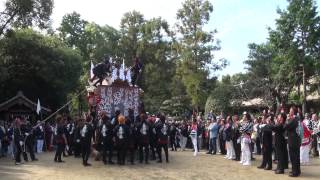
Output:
x=173 y=133
x=294 y=141
x=266 y=145
x=130 y=122
x=236 y=137
x=18 y=140
x=280 y=144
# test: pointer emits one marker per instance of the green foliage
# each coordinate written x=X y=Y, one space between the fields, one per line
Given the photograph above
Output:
x=25 y=13
x=41 y=66
x=195 y=49
x=220 y=100
x=276 y=67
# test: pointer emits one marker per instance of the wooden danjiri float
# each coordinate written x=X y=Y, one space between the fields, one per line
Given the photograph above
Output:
x=117 y=90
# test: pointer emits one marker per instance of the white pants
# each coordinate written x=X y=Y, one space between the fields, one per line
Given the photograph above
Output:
x=199 y=141
x=245 y=154
x=218 y=145
x=230 y=150
x=39 y=145
x=194 y=142
x=304 y=154
x=183 y=142
x=318 y=148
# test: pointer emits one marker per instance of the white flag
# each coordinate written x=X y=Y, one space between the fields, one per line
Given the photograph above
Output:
x=91 y=70
x=38 y=107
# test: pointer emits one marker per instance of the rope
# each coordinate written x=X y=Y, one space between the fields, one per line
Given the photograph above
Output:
x=62 y=107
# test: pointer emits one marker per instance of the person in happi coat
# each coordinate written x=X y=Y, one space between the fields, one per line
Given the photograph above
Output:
x=101 y=71
x=18 y=140
x=106 y=135
x=59 y=138
x=132 y=138
x=162 y=130
x=29 y=138
x=280 y=143
x=153 y=137
x=70 y=136
x=143 y=130
x=86 y=134
x=121 y=133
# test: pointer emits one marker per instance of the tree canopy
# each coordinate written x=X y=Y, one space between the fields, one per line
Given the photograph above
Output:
x=41 y=66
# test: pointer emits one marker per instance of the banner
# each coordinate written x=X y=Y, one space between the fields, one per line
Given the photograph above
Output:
x=111 y=98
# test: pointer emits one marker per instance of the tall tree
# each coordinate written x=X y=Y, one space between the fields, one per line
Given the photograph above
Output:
x=297 y=38
x=270 y=74
x=41 y=66
x=92 y=40
x=150 y=40
x=130 y=28
x=196 y=48
x=25 y=13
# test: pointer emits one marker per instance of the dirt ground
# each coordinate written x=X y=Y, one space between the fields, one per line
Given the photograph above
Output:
x=182 y=166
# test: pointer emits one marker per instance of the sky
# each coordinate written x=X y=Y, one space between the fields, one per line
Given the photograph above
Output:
x=238 y=22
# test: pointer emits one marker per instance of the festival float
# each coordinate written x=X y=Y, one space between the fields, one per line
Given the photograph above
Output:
x=117 y=89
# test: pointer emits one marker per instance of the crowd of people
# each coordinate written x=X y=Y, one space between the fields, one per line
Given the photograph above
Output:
x=280 y=138
x=139 y=137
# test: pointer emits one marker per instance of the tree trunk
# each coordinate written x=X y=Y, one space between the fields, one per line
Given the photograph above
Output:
x=304 y=103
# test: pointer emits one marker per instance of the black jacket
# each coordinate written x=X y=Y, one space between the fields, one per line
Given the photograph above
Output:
x=143 y=135
x=106 y=132
x=162 y=130
x=293 y=137
x=86 y=134
x=280 y=141
x=39 y=133
x=266 y=139
x=121 y=132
